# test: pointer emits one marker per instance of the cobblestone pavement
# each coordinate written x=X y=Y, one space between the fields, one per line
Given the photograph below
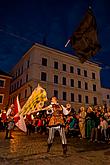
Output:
x=31 y=150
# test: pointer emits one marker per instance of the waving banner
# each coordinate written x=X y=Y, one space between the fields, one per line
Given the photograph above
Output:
x=35 y=101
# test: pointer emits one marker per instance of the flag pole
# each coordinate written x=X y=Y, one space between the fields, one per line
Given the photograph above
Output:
x=67 y=43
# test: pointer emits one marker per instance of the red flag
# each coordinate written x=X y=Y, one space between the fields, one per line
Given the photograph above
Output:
x=18 y=119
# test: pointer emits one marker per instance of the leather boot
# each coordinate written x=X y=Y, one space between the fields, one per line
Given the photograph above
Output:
x=49 y=146
x=64 y=148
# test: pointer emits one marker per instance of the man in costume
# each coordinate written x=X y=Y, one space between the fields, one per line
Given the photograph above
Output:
x=10 y=122
x=56 y=122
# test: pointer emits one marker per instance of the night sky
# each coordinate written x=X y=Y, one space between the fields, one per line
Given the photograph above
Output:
x=50 y=22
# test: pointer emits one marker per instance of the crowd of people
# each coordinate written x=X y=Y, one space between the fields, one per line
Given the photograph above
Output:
x=92 y=123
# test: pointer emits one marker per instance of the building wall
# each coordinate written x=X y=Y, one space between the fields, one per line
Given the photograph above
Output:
x=35 y=56
x=4 y=91
x=106 y=96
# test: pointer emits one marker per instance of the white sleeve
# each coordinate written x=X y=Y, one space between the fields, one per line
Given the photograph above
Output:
x=8 y=112
x=65 y=111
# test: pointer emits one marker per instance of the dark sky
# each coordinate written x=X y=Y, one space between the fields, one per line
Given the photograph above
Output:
x=24 y=22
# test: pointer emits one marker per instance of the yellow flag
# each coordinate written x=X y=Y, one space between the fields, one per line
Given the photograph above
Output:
x=35 y=101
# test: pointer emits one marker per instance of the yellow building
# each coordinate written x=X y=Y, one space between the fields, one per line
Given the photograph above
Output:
x=61 y=74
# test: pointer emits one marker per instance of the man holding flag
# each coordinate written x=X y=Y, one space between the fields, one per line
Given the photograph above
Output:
x=13 y=118
x=10 y=122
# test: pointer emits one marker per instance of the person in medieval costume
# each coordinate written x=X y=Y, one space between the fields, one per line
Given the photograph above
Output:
x=10 y=122
x=56 y=122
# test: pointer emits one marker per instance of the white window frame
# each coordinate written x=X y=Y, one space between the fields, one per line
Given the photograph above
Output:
x=3 y=98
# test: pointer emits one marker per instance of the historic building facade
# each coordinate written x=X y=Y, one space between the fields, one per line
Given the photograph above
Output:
x=4 y=89
x=106 y=97
x=60 y=74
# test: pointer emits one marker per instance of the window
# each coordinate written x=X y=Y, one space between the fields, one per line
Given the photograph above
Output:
x=71 y=69
x=64 y=81
x=85 y=73
x=11 y=88
x=95 y=100
x=28 y=63
x=79 y=84
x=20 y=82
x=27 y=78
x=1 y=99
x=25 y=93
x=55 y=65
x=16 y=74
x=2 y=83
x=78 y=71
x=43 y=76
x=72 y=82
x=86 y=86
x=55 y=79
x=94 y=87
x=44 y=61
x=64 y=67
x=79 y=98
x=86 y=100
x=19 y=96
x=22 y=70
x=30 y=88
x=72 y=97
x=17 y=84
x=93 y=75
x=64 y=96
x=19 y=72
x=108 y=96
x=56 y=93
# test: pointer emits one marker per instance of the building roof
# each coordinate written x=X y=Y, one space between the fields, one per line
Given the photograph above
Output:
x=2 y=73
